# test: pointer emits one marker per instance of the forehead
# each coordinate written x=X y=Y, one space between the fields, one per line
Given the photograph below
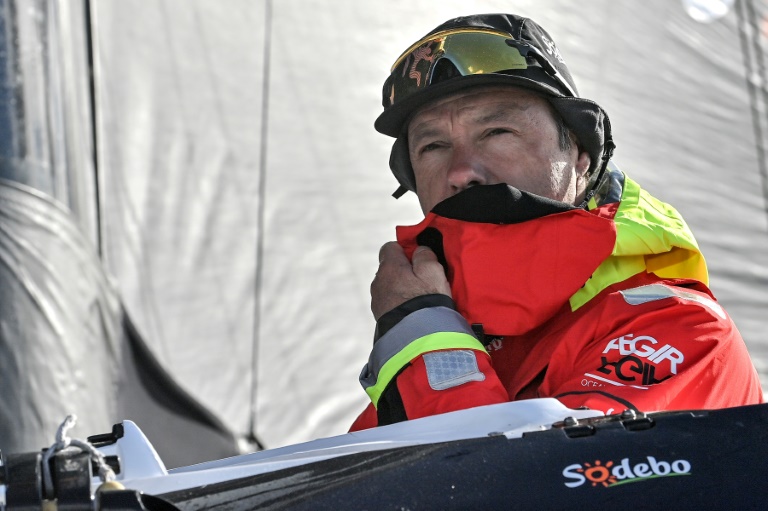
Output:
x=480 y=102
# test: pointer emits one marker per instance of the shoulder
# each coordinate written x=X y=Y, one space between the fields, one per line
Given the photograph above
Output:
x=645 y=298
x=660 y=300
x=683 y=311
x=679 y=318
x=665 y=320
x=662 y=294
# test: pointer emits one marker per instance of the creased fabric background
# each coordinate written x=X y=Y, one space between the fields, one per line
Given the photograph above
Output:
x=180 y=85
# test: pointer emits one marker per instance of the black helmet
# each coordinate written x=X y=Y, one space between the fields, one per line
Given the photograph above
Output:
x=487 y=49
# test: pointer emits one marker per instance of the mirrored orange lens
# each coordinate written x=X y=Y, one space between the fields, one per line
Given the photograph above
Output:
x=469 y=52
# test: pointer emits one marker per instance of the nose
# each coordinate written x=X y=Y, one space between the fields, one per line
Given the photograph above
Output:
x=465 y=171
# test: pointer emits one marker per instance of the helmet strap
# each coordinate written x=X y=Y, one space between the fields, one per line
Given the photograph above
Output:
x=399 y=192
x=400 y=163
x=607 y=154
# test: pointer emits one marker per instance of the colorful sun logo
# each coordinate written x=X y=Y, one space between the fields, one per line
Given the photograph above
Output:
x=598 y=473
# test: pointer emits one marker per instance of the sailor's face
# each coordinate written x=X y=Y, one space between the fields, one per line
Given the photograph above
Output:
x=489 y=136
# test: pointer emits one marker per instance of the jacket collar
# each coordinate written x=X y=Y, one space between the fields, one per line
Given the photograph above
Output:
x=514 y=259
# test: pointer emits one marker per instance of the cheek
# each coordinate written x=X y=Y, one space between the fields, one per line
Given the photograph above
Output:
x=422 y=177
x=430 y=169
x=533 y=166
x=427 y=189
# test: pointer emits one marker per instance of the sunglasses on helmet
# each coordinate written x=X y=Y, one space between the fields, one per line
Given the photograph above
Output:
x=463 y=52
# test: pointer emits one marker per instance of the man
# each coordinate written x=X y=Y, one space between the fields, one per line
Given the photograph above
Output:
x=540 y=269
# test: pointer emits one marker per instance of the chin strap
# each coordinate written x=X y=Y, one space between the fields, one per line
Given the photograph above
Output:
x=593 y=191
x=607 y=154
x=399 y=192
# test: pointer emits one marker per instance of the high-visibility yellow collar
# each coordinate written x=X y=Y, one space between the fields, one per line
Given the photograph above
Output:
x=650 y=236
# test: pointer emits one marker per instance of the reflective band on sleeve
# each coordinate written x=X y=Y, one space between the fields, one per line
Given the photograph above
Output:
x=435 y=328
x=447 y=369
x=653 y=292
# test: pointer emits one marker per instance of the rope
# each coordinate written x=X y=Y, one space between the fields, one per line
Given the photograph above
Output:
x=260 y=223
x=752 y=51
x=62 y=443
x=90 y=45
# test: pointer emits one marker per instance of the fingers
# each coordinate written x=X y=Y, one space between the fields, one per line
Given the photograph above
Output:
x=398 y=279
x=423 y=255
x=392 y=252
x=392 y=266
x=428 y=269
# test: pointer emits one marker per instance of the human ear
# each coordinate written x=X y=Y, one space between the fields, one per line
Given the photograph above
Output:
x=581 y=168
x=582 y=164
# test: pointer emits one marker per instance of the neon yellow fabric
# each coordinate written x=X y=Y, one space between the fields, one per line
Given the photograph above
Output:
x=650 y=236
x=431 y=342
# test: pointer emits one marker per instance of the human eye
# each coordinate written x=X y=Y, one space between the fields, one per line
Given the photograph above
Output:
x=430 y=146
x=496 y=131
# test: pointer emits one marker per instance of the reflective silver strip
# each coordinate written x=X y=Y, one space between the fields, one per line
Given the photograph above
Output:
x=653 y=292
x=414 y=326
x=448 y=369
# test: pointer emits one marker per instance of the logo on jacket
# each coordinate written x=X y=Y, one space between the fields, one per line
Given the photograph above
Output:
x=639 y=362
x=612 y=474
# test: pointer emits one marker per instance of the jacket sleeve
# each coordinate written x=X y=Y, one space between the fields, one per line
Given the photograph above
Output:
x=655 y=347
x=429 y=362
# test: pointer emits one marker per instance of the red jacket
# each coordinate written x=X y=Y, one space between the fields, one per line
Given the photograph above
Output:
x=605 y=308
